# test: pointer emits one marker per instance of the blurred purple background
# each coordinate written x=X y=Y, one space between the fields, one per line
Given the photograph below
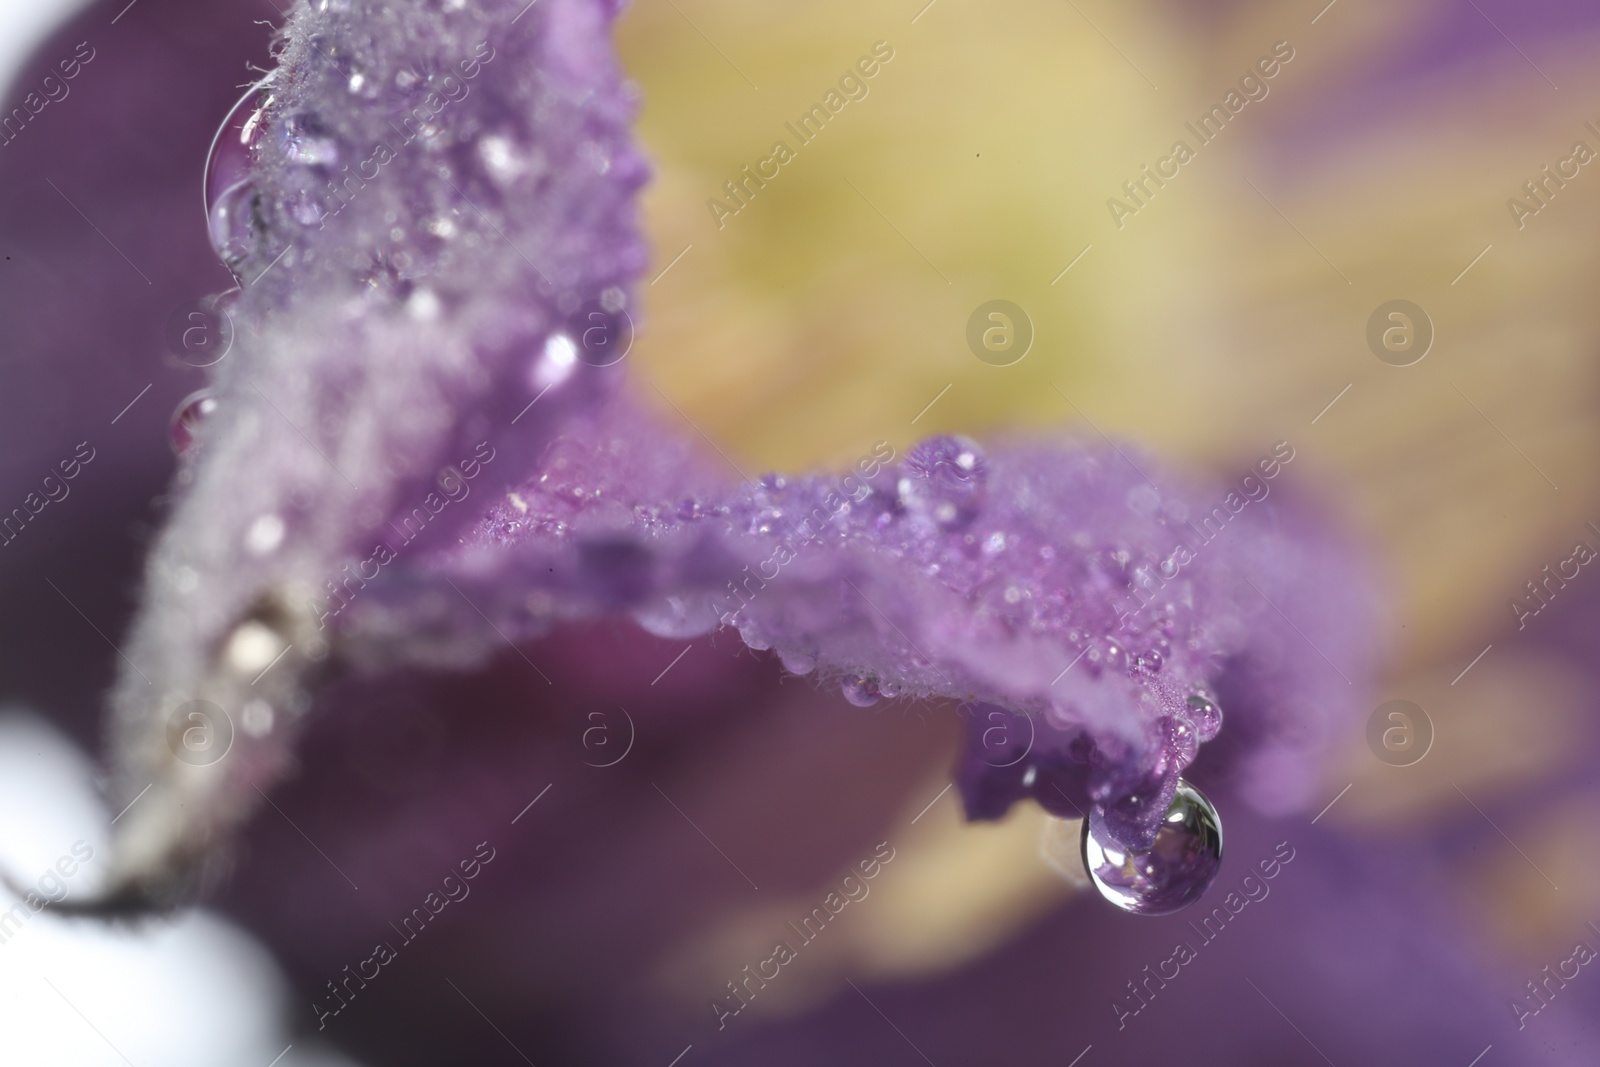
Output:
x=1362 y=953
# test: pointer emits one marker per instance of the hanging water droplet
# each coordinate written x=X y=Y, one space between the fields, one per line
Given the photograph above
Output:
x=191 y=414
x=859 y=690
x=232 y=215
x=943 y=481
x=1205 y=715
x=797 y=662
x=1173 y=873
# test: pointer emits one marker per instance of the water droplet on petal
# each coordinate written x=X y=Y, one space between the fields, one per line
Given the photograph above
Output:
x=236 y=225
x=231 y=198
x=1150 y=662
x=191 y=414
x=1183 y=742
x=1173 y=873
x=1205 y=715
x=797 y=662
x=859 y=690
x=943 y=481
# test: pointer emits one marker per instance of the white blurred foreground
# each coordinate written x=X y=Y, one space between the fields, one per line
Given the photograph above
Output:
x=189 y=990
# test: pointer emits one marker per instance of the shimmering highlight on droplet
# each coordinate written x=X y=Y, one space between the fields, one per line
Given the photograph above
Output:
x=1173 y=873
x=191 y=414
x=1206 y=716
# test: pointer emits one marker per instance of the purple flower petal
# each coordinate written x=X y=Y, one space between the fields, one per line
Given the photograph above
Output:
x=436 y=215
x=1083 y=610
x=436 y=192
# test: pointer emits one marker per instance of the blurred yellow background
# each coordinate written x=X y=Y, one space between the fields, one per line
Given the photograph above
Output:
x=1223 y=317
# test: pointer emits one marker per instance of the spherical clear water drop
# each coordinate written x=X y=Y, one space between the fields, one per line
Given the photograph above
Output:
x=859 y=690
x=191 y=414
x=231 y=199
x=1173 y=873
x=1205 y=715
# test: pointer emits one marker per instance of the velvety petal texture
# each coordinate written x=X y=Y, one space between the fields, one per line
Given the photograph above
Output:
x=423 y=449
x=435 y=189
x=1093 y=617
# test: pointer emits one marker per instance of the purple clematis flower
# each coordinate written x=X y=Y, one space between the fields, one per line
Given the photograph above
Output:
x=422 y=447
x=890 y=583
